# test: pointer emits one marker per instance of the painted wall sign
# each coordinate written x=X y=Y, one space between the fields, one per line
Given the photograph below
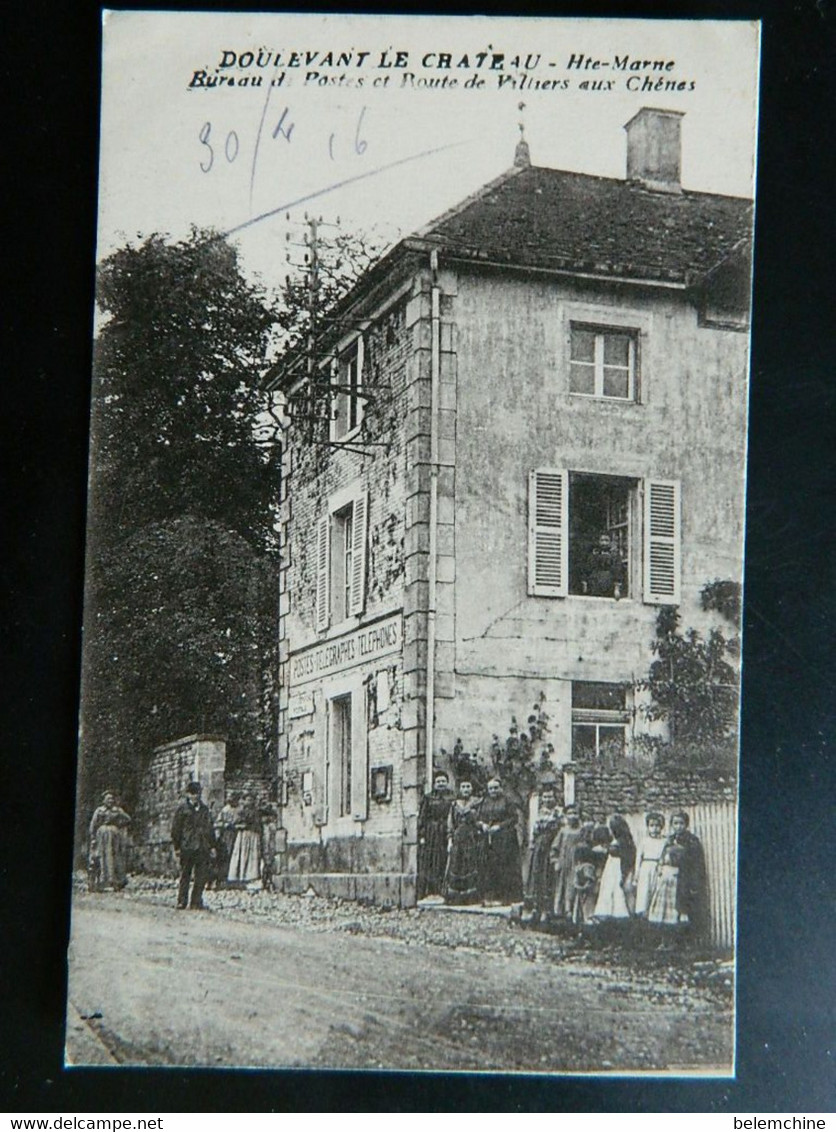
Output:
x=358 y=647
x=300 y=705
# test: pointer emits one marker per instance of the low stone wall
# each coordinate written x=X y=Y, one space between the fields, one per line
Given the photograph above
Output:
x=172 y=766
x=601 y=790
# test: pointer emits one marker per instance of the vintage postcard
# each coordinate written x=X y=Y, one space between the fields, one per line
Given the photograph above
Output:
x=412 y=624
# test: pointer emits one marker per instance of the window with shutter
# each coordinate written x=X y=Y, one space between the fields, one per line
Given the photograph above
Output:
x=661 y=542
x=548 y=532
x=323 y=571
x=357 y=578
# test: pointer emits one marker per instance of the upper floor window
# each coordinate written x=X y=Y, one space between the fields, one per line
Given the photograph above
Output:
x=603 y=362
x=602 y=520
x=348 y=382
x=341 y=559
x=603 y=536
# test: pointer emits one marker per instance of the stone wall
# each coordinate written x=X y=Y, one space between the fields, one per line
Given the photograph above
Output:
x=602 y=790
x=172 y=766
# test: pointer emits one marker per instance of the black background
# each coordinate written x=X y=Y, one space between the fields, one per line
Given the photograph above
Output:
x=49 y=62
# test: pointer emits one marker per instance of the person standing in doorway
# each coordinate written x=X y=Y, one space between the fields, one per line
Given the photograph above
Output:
x=193 y=838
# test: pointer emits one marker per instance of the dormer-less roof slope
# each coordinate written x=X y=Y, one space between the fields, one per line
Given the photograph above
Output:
x=533 y=218
x=551 y=219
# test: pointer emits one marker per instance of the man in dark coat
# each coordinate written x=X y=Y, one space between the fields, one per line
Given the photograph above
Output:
x=193 y=837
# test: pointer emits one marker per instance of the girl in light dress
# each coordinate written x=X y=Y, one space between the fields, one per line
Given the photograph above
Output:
x=647 y=861
x=615 y=893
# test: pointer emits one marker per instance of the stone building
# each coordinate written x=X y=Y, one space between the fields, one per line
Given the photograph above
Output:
x=536 y=437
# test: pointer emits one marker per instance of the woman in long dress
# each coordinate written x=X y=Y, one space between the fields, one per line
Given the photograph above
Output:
x=563 y=858
x=539 y=892
x=461 y=883
x=433 y=818
x=226 y=831
x=500 y=874
x=109 y=845
x=647 y=860
x=615 y=893
x=245 y=862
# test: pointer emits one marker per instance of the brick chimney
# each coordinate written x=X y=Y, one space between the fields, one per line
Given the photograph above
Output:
x=654 y=149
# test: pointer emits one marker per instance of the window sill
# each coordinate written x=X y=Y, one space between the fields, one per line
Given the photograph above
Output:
x=604 y=400
x=339 y=628
x=626 y=600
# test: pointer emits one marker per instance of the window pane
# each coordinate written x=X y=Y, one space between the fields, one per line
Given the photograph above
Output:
x=611 y=740
x=603 y=697
x=616 y=349
x=583 y=743
x=616 y=382
x=583 y=345
x=581 y=378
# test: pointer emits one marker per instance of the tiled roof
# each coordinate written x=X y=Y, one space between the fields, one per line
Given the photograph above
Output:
x=547 y=218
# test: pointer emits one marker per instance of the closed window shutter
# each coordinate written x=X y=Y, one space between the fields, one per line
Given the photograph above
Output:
x=323 y=563
x=358 y=556
x=359 y=756
x=661 y=542
x=548 y=532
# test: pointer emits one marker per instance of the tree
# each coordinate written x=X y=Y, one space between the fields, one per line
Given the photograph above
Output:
x=522 y=761
x=182 y=560
x=176 y=394
x=694 y=687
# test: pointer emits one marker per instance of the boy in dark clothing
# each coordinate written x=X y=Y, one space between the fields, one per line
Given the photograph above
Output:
x=193 y=837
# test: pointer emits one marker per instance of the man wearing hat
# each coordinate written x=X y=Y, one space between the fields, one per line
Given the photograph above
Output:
x=193 y=838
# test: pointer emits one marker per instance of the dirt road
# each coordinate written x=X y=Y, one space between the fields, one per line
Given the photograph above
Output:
x=153 y=986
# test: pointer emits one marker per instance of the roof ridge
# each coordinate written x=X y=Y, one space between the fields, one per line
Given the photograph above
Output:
x=636 y=185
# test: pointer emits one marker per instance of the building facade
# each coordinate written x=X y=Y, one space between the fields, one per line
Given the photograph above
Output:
x=535 y=438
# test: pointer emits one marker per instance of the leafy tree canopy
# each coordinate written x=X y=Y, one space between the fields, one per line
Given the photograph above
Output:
x=181 y=574
x=178 y=362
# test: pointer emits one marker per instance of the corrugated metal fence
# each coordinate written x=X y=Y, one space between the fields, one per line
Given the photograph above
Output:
x=715 y=823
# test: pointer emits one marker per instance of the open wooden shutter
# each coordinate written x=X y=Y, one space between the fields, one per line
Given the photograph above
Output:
x=323 y=564
x=359 y=755
x=357 y=595
x=661 y=542
x=548 y=532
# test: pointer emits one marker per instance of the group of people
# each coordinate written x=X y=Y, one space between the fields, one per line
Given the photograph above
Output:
x=586 y=873
x=468 y=848
x=579 y=873
x=234 y=849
